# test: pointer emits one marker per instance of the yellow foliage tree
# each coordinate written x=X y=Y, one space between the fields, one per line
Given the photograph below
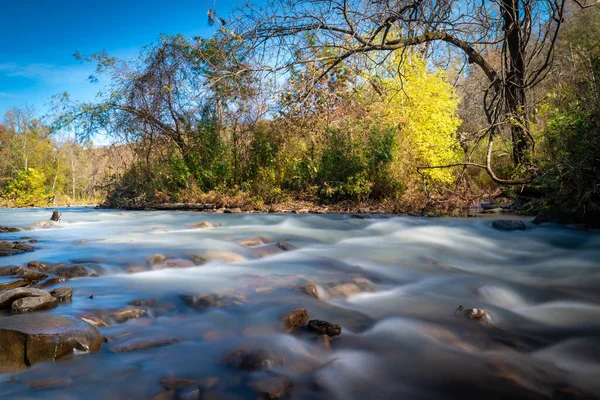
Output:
x=422 y=105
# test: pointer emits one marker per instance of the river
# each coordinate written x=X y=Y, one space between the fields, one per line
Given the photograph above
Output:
x=401 y=335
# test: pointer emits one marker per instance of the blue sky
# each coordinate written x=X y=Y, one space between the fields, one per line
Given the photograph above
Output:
x=38 y=39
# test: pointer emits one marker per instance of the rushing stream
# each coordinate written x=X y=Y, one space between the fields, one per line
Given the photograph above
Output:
x=401 y=337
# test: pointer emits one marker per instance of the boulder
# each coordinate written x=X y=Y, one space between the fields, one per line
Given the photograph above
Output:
x=63 y=293
x=7 y=298
x=56 y=216
x=324 y=328
x=27 y=339
x=295 y=319
x=508 y=225
x=31 y=304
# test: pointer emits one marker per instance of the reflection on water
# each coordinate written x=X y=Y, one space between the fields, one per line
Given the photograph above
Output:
x=398 y=282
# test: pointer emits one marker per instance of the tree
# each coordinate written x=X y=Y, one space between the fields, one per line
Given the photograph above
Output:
x=524 y=32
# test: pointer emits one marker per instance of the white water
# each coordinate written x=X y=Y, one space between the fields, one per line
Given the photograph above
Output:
x=540 y=288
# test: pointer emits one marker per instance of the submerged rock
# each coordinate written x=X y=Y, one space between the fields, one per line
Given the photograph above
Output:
x=8 y=229
x=255 y=359
x=177 y=383
x=9 y=297
x=286 y=246
x=204 y=301
x=295 y=319
x=71 y=271
x=52 y=282
x=28 y=339
x=324 y=327
x=51 y=383
x=273 y=387
x=62 y=293
x=205 y=224
x=472 y=313
x=144 y=344
x=37 y=265
x=224 y=256
x=344 y=290
x=310 y=290
x=13 y=248
x=509 y=225
x=31 y=304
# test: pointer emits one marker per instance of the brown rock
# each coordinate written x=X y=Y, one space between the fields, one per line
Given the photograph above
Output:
x=7 y=229
x=31 y=304
x=286 y=246
x=37 y=265
x=51 y=383
x=22 y=246
x=324 y=327
x=27 y=339
x=127 y=313
x=310 y=290
x=71 y=271
x=63 y=293
x=8 y=297
x=295 y=319
x=344 y=290
x=93 y=320
x=224 y=256
x=52 y=282
x=203 y=301
x=156 y=260
x=143 y=345
x=176 y=383
x=274 y=387
x=255 y=359
x=205 y=224
x=17 y=283
x=178 y=263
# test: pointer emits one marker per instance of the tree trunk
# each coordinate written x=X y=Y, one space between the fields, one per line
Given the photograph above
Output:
x=516 y=101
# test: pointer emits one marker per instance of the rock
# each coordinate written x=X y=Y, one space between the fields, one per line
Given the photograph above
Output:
x=51 y=383
x=23 y=246
x=295 y=319
x=255 y=241
x=37 y=265
x=8 y=229
x=265 y=251
x=310 y=290
x=71 y=271
x=252 y=359
x=52 y=282
x=235 y=210
x=472 y=313
x=324 y=327
x=139 y=303
x=156 y=260
x=508 y=225
x=323 y=341
x=127 y=313
x=33 y=276
x=56 y=216
x=31 y=304
x=63 y=293
x=143 y=345
x=286 y=246
x=42 y=224
x=344 y=290
x=197 y=260
x=204 y=301
x=205 y=224
x=178 y=263
x=274 y=387
x=176 y=383
x=93 y=320
x=7 y=298
x=224 y=256
x=28 y=339
x=17 y=283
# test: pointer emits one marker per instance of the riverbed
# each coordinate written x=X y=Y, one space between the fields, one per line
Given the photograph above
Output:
x=393 y=284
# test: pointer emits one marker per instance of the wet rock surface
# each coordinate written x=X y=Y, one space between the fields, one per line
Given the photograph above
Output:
x=8 y=229
x=64 y=293
x=10 y=296
x=253 y=359
x=295 y=319
x=31 y=338
x=324 y=327
x=8 y=249
x=31 y=304
x=509 y=225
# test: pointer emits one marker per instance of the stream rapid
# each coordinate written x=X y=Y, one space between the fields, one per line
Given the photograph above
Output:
x=401 y=336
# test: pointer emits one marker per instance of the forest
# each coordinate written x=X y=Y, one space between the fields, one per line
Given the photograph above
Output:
x=404 y=106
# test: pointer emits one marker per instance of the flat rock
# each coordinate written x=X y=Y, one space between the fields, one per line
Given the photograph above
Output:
x=31 y=304
x=8 y=297
x=324 y=328
x=295 y=319
x=27 y=339
x=224 y=256
x=8 y=229
x=62 y=293
x=508 y=225
x=17 y=283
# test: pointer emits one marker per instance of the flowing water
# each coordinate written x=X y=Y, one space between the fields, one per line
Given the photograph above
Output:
x=401 y=337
